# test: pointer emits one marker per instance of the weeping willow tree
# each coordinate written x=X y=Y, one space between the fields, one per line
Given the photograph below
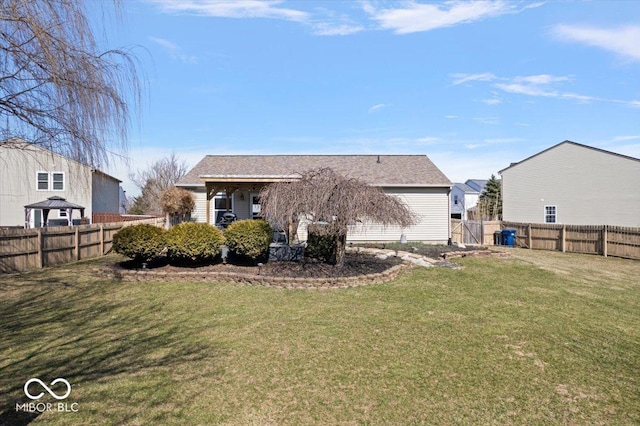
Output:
x=57 y=89
x=326 y=197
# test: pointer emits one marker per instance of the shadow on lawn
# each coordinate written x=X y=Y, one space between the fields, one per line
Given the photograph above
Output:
x=52 y=328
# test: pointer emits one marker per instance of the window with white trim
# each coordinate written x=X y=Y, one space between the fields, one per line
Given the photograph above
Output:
x=43 y=181
x=50 y=181
x=57 y=179
x=550 y=214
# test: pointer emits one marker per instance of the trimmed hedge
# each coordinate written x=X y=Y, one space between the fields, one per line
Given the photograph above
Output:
x=249 y=237
x=142 y=243
x=321 y=247
x=194 y=242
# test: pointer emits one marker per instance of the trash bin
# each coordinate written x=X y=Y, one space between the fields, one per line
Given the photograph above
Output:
x=509 y=237
x=497 y=238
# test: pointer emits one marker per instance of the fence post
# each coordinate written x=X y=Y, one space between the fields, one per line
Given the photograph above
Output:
x=529 y=237
x=101 y=239
x=605 y=237
x=40 y=261
x=563 y=238
x=76 y=243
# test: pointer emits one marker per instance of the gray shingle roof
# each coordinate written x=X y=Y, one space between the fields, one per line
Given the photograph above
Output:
x=465 y=188
x=402 y=170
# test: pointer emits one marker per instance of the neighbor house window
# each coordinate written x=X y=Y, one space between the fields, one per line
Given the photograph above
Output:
x=43 y=181
x=50 y=181
x=58 y=181
x=550 y=214
x=455 y=199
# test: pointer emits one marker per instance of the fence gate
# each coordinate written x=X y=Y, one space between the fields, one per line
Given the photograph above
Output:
x=466 y=231
x=472 y=232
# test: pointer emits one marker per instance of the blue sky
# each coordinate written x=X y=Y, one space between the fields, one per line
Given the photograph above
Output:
x=474 y=85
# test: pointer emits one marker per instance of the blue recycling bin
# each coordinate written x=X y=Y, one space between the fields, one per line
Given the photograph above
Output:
x=508 y=237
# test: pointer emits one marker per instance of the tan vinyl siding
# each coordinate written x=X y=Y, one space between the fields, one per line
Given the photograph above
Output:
x=430 y=204
x=240 y=205
x=587 y=186
x=199 y=214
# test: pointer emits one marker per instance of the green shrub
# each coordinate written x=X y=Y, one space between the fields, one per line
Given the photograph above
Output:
x=249 y=237
x=142 y=243
x=321 y=247
x=194 y=242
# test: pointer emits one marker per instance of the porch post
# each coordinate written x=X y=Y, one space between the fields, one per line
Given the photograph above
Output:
x=210 y=194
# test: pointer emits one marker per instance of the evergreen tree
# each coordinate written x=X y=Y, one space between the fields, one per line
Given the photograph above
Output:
x=490 y=201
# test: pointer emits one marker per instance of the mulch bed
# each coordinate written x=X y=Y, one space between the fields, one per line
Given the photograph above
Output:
x=355 y=265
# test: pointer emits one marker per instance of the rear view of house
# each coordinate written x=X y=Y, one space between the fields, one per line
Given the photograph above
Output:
x=231 y=183
x=573 y=184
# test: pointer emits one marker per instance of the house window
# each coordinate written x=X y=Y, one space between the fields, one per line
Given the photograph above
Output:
x=455 y=199
x=43 y=181
x=550 y=214
x=56 y=179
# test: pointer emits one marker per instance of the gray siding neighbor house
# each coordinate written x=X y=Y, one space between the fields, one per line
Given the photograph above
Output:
x=573 y=184
x=30 y=174
x=232 y=182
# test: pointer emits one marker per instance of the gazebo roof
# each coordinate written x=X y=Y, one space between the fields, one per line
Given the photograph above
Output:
x=53 y=203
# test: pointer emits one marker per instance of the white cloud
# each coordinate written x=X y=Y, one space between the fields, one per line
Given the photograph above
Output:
x=487 y=120
x=526 y=89
x=460 y=78
x=232 y=9
x=330 y=29
x=537 y=85
x=429 y=140
x=492 y=101
x=623 y=40
x=415 y=17
x=174 y=51
x=451 y=117
x=377 y=107
x=540 y=79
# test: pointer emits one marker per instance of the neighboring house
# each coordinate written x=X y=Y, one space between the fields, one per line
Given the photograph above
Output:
x=464 y=197
x=30 y=174
x=413 y=178
x=573 y=184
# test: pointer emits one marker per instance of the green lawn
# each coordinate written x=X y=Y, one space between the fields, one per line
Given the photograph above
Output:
x=541 y=338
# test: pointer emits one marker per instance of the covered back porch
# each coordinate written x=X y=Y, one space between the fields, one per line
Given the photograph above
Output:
x=238 y=195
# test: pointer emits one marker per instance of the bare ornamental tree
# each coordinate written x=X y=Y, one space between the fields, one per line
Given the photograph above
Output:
x=326 y=197
x=57 y=90
x=158 y=177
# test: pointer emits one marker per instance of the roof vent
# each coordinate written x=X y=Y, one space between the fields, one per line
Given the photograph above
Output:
x=378 y=160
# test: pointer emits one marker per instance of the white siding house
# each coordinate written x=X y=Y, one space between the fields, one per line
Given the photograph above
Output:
x=573 y=184
x=413 y=178
x=30 y=174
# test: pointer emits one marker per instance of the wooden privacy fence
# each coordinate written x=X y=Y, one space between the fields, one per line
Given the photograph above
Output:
x=24 y=249
x=474 y=232
x=603 y=240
